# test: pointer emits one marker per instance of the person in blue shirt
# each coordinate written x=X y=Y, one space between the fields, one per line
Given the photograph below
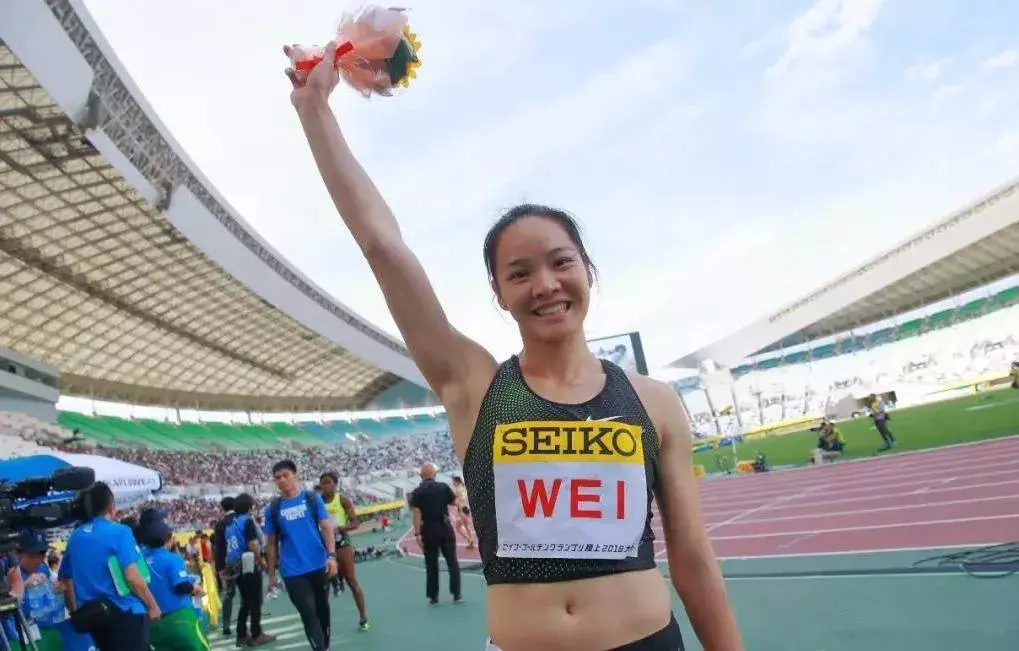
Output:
x=297 y=521
x=100 y=552
x=174 y=589
x=243 y=566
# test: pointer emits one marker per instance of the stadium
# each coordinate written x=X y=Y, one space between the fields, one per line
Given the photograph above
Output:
x=144 y=322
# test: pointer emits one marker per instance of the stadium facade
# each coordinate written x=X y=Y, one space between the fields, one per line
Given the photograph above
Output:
x=123 y=267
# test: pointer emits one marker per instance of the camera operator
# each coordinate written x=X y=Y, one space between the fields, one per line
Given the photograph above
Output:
x=15 y=590
x=42 y=604
x=98 y=552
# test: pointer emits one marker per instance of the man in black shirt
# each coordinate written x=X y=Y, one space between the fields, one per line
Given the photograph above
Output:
x=227 y=587
x=429 y=504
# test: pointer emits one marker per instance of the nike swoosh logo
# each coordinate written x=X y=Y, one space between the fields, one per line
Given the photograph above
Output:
x=602 y=419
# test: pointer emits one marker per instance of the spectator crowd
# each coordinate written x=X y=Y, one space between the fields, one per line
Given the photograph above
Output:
x=388 y=458
x=357 y=463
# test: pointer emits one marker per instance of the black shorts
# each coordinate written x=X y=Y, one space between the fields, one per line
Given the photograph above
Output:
x=669 y=638
x=343 y=540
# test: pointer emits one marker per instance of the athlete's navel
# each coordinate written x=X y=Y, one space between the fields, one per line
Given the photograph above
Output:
x=570 y=606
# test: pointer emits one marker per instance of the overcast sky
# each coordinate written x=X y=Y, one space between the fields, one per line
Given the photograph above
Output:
x=723 y=157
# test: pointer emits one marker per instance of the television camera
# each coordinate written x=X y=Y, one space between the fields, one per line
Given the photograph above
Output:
x=37 y=503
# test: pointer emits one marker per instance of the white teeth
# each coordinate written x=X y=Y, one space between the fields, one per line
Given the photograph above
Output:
x=558 y=308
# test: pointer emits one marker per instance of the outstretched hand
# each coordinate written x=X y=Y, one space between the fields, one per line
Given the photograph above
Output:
x=320 y=81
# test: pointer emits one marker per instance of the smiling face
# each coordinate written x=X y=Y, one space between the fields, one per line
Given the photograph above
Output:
x=541 y=277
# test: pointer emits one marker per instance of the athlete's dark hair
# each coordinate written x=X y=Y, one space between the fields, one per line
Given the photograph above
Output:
x=511 y=216
x=227 y=503
x=331 y=474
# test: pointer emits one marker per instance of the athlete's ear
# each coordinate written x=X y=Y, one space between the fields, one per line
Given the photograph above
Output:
x=590 y=278
x=498 y=297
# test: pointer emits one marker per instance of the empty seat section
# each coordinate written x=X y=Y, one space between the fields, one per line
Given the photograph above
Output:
x=293 y=433
x=322 y=432
x=343 y=428
x=261 y=436
x=182 y=437
x=231 y=437
x=148 y=437
x=201 y=437
x=910 y=329
x=939 y=320
x=91 y=429
x=971 y=310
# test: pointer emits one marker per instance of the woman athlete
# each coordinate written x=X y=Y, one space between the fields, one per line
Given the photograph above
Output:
x=344 y=520
x=561 y=452
x=464 y=522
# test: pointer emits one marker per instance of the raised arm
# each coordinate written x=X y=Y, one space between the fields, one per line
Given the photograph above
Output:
x=449 y=361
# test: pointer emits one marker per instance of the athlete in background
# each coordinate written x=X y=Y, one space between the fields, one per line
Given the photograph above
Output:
x=341 y=510
x=588 y=581
x=464 y=523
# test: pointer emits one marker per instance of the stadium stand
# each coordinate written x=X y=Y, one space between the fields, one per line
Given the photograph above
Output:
x=121 y=265
x=116 y=432
x=125 y=271
x=932 y=317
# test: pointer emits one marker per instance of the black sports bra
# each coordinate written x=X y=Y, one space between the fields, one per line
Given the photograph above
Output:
x=561 y=492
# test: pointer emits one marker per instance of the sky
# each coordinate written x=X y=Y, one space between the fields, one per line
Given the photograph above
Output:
x=723 y=158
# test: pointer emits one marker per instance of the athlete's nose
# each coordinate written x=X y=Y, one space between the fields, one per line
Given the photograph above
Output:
x=544 y=283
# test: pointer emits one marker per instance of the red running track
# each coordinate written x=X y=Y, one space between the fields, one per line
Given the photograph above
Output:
x=949 y=497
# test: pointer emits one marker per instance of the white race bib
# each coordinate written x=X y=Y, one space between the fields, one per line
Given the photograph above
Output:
x=569 y=489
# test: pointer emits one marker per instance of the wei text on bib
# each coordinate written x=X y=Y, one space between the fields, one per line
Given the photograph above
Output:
x=569 y=489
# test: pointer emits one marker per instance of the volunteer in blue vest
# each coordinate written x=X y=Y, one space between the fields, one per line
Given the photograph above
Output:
x=243 y=566
x=98 y=552
x=174 y=589
x=298 y=523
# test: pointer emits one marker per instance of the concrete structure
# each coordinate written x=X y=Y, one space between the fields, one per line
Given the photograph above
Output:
x=123 y=267
x=971 y=248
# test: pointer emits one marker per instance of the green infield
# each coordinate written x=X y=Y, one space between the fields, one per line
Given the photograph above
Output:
x=971 y=418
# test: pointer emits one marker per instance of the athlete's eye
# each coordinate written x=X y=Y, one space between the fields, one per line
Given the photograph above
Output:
x=563 y=262
x=518 y=274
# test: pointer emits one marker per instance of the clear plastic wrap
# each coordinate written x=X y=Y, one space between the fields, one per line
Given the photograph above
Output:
x=375 y=51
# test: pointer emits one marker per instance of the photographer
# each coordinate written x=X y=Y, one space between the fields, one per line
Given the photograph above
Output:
x=105 y=592
x=41 y=602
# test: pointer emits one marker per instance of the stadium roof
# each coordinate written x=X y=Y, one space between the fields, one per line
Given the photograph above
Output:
x=972 y=248
x=121 y=265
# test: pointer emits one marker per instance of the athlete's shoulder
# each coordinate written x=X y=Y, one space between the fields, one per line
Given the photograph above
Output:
x=652 y=390
x=662 y=403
